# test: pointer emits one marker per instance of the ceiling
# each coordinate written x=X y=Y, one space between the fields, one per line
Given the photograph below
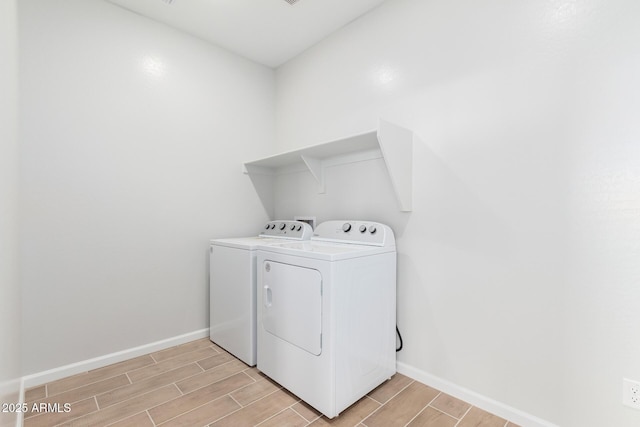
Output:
x=266 y=31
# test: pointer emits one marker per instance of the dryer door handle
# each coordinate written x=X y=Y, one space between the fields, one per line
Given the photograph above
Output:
x=267 y=296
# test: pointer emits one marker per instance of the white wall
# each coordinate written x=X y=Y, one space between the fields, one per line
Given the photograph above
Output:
x=518 y=265
x=10 y=369
x=133 y=140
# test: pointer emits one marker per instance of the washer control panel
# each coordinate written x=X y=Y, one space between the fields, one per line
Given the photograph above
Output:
x=297 y=230
x=357 y=232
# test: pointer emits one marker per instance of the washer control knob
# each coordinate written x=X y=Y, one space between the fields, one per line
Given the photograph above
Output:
x=299 y=228
x=363 y=228
x=346 y=227
x=273 y=226
x=283 y=226
x=293 y=227
x=372 y=229
x=266 y=227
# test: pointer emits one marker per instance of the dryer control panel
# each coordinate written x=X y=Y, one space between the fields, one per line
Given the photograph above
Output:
x=356 y=232
x=297 y=230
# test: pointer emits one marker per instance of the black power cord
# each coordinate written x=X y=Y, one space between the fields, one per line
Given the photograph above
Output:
x=400 y=337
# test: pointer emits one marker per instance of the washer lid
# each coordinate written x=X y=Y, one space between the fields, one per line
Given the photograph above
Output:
x=246 y=243
x=273 y=232
x=325 y=250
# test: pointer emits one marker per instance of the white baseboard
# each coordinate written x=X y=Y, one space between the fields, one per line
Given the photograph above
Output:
x=108 y=359
x=20 y=417
x=500 y=409
x=11 y=392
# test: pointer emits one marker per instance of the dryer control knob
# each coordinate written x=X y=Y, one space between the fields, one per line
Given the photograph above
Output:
x=363 y=228
x=346 y=227
x=372 y=229
x=293 y=227
x=283 y=226
x=299 y=228
x=266 y=227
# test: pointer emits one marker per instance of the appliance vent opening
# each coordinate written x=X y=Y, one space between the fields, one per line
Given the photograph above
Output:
x=292 y=2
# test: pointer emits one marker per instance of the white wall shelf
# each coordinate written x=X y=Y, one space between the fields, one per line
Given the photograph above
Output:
x=393 y=143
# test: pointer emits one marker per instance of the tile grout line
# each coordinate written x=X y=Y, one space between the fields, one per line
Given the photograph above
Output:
x=382 y=404
x=149 y=390
x=375 y=401
x=209 y=345
x=192 y=409
x=35 y=416
x=83 y=385
x=254 y=380
x=123 y=401
x=242 y=407
x=464 y=415
x=422 y=410
x=415 y=416
x=130 y=416
x=75 y=418
x=246 y=385
x=206 y=370
x=149 y=416
x=182 y=354
x=241 y=388
x=92 y=382
x=157 y=363
x=315 y=419
x=400 y=391
x=443 y=412
x=274 y=415
x=303 y=417
x=232 y=398
x=56 y=396
x=148 y=409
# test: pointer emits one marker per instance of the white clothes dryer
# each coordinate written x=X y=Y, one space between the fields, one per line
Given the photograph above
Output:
x=327 y=313
x=232 y=286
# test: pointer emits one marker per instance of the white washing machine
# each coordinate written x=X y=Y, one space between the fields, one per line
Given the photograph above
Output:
x=232 y=286
x=327 y=313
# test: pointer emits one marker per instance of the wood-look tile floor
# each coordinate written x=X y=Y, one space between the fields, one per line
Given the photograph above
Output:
x=198 y=384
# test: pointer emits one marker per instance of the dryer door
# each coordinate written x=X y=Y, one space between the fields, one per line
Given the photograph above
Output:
x=292 y=304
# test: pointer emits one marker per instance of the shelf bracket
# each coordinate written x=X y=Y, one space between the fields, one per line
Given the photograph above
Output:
x=317 y=170
x=262 y=180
